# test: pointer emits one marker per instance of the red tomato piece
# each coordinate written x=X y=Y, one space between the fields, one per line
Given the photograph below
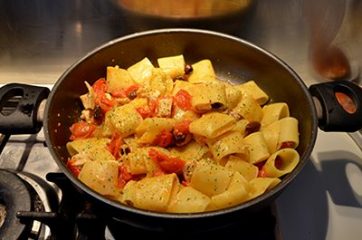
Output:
x=166 y=163
x=287 y=144
x=81 y=129
x=183 y=100
x=100 y=86
x=105 y=104
x=131 y=91
x=123 y=176
x=100 y=89
x=182 y=127
x=115 y=145
x=148 y=111
x=164 y=139
x=185 y=183
x=262 y=172
x=74 y=169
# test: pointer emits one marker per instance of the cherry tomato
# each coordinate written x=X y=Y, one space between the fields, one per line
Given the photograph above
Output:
x=148 y=111
x=123 y=176
x=115 y=145
x=183 y=100
x=100 y=89
x=164 y=139
x=81 y=129
x=74 y=169
x=166 y=163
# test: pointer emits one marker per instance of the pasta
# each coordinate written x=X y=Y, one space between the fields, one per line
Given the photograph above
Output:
x=174 y=138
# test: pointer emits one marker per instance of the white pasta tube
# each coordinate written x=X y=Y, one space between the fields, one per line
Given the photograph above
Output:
x=210 y=179
x=230 y=144
x=203 y=71
x=236 y=193
x=151 y=193
x=212 y=125
x=260 y=185
x=289 y=134
x=138 y=160
x=273 y=112
x=207 y=96
x=258 y=149
x=271 y=135
x=157 y=85
x=84 y=144
x=150 y=128
x=281 y=162
x=233 y=95
x=118 y=79
x=241 y=126
x=188 y=200
x=141 y=71
x=247 y=170
x=190 y=152
x=125 y=119
x=251 y=88
x=101 y=176
x=174 y=66
x=248 y=108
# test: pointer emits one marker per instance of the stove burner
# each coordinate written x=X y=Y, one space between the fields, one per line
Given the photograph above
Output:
x=14 y=196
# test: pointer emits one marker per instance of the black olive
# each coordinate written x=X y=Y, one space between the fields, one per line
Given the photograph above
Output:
x=216 y=105
x=98 y=115
x=125 y=150
x=132 y=95
x=188 y=69
x=252 y=127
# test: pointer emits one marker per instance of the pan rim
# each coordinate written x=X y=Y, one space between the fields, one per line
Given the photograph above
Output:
x=270 y=194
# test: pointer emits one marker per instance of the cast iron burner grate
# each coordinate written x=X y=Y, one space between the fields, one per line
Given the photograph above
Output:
x=74 y=218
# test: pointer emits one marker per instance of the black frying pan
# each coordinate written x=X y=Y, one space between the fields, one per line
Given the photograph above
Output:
x=234 y=59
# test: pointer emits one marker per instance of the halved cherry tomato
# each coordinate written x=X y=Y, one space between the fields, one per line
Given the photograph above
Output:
x=105 y=104
x=81 y=129
x=123 y=176
x=164 y=139
x=287 y=144
x=115 y=145
x=181 y=133
x=100 y=89
x=262 y=172
x=74 y=169
x=166 y=163
x=100 y=86
x=129 y=92
x=182 y=127
x=185 y=183
x=148 y=111
x=183 y=100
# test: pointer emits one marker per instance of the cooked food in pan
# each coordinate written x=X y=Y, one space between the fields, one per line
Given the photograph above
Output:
x=175 y=138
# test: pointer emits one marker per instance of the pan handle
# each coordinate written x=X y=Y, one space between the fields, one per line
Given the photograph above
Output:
x=19 y=107
x=333 y=114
